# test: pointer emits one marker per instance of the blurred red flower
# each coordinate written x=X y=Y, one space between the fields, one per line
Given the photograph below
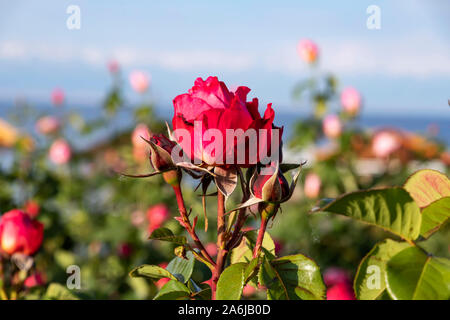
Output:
x=19 y=233
x=156 y=216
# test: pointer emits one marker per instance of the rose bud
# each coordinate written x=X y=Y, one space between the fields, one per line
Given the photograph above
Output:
x=58 y=97
x=351 y=101
x=139 y=81
x=332 y=126
x=312 y=185
x=20 y=234
x=160 y=157
x=384 y=143
x=60 y=152
x=47 y=125
x=209 y=108
x=35 y=280
x=32 y=208
x=156 y=216
x=308 y=50
x=270 y=188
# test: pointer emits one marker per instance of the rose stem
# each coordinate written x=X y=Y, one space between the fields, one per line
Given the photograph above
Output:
x=259 y=240
x=189 y=228
x=222 y=251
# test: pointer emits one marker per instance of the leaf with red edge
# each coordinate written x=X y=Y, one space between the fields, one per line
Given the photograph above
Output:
x=427 y=186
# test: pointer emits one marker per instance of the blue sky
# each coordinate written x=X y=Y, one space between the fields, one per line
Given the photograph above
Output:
x=404 y=68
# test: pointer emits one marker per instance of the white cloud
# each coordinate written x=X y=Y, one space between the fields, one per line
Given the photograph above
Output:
x=424 y=56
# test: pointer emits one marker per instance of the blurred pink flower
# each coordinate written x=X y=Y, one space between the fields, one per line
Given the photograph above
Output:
x=60 y=152
x=58 y=97
x=312 y=185
x=339 y=284
x=384 y=143
x=278 y=246
x=137 y=218
x=332 y=126
x=34 y=280
x=47 y=125
x=248 y=290
x=140 y=147
x=156 y=216
x=139 y=81
x=113 y=66
x=351 y=101
x=211 y=248
x=308 y=50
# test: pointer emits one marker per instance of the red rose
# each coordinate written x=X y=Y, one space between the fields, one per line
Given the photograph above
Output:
x=211 y=109
x=19 y=233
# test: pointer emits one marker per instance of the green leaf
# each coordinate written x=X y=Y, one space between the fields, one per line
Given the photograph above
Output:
x=252 y=269
x=56 y=291
x=164 y=234
x=392 y=209
x=231 y=282
x=370 y=283
x=173 y=290
x=182 y=268
x=427 y=186
x=293 y=277
x=244 y=252
x=434 y=216
x=151 y=271
x=413 y=275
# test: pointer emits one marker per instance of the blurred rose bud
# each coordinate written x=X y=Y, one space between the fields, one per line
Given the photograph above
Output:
x=339 y=284
x=248 y=291
x=211 y=248
x=351 y=101
x=47 y=125
x=8 y=134
x=124 y=250
x=113 y=66
x=35 y=280
x=60 y=152
x=161 y=282
x=332 y=126
x=384 y=143
x=19 y=233
x=139 y=81
x=312 y=185
x=161 y=153
x=308 y=50
x=58 y=97
x=156 y=216
x=32 y=208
